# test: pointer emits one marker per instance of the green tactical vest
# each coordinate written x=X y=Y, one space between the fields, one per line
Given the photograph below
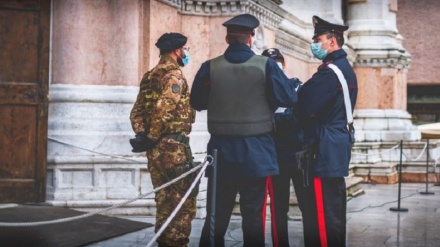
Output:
x=237 y=103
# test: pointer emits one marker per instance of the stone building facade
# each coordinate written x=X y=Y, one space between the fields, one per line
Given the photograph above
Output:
x=419 y=32
x=101 y=49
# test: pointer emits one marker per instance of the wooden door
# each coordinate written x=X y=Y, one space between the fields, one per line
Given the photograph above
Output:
x=24 y=68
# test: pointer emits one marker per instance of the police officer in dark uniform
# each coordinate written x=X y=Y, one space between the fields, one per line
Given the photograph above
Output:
x=287 y=141
x=241 y=91
x=324 y=121
x=276 y=55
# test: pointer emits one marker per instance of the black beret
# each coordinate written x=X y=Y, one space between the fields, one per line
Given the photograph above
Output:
x=170 y=41
x=242 y=23
x=321 y=26
x=273 y=53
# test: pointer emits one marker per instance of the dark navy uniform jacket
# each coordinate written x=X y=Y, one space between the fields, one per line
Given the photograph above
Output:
x=323 y=118
x=250 y=156
x=288 y=137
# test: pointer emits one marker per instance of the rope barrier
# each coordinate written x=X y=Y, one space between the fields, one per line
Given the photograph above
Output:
x=418 y=157
x=103 y=154
x=385 y=151
x=202 y=165
x=167 y=222
x=91 y=151
x=20 y=224
x=134 y=161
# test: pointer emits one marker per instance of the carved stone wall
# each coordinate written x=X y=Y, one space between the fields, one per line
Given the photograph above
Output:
x=90 y=163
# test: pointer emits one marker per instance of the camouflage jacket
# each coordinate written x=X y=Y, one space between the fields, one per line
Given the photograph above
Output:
x=162 y=105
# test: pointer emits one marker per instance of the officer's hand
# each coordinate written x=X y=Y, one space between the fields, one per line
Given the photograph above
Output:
x=296 y=83
x=141 y=143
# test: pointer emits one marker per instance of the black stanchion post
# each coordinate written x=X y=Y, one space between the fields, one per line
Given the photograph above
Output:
x=435 y=174
x=213 y=185
x=426 y=192
x=399 y=209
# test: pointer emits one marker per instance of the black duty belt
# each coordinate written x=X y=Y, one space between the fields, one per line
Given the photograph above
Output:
x=177 y=137
x=184 y=140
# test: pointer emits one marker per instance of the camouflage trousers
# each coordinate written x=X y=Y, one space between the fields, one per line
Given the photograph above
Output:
x=166 y=161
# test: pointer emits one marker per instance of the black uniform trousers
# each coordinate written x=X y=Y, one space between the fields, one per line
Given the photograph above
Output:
x=279 y=192
x=324 y=208
x=253 y=195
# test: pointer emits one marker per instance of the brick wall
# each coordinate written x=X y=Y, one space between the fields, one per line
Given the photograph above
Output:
x=419 y=24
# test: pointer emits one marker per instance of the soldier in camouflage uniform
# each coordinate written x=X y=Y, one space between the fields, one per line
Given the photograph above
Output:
x=161 y=118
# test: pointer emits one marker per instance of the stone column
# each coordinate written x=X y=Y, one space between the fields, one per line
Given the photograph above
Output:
x=381 y=119
x=381 y=66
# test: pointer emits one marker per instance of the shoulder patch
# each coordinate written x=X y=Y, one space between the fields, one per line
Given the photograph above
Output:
x=175 y=88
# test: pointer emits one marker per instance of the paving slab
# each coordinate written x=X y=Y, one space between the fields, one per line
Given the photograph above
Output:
x=370 y=222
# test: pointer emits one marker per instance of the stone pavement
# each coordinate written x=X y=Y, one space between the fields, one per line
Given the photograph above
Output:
x=370 y=222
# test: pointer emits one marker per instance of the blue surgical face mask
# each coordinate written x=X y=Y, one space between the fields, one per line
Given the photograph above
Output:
x=185 y=59
x=317 y=51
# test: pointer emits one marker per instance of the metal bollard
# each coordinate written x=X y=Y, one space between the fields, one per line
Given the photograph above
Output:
x=213 y=186
x=426 y=192
x=399 y=209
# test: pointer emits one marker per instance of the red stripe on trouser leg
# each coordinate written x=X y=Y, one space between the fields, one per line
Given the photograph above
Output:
x=272 y=213
x=263 y=215
x=320 y=212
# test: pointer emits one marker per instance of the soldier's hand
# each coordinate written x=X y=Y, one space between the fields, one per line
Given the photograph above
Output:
x=141 y=143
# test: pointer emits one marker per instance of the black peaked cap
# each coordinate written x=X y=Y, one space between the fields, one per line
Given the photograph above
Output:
x=242 y=23
x=322 y=26
x=273 y=53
